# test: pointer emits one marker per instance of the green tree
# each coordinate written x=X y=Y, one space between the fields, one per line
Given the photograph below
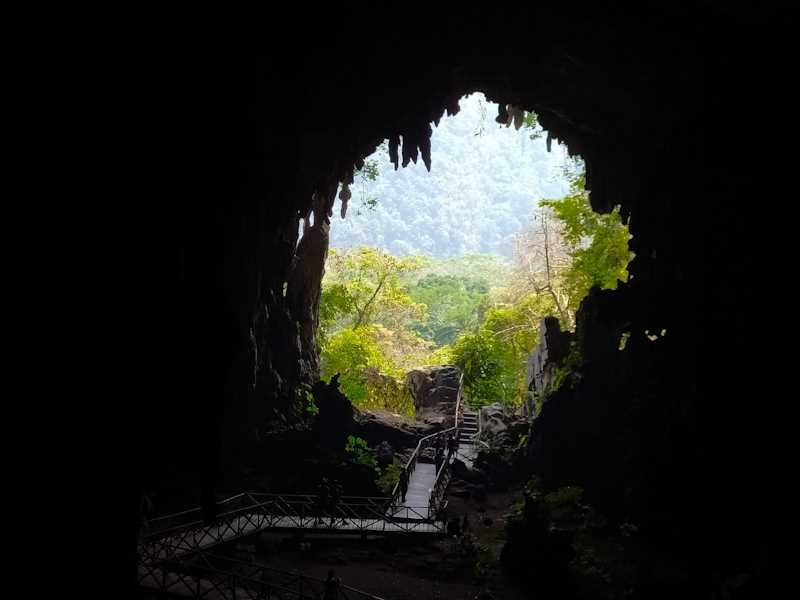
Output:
x=369 y=171
x=597 y=244
x=567 y=249
x=493 y=356
x=479 y=356
x=335 y=303
x=368 y=377
x=454 y=305
x=350 y=352
x=365 y=317
x=531 y=123
x=364 y=284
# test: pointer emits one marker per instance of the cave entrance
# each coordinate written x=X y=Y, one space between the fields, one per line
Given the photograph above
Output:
x=457 y=259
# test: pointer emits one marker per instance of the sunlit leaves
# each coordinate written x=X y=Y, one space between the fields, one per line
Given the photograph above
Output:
x=493 y=356
x=597 y=244
x=371 y=290
x=365 y=314
x=454 y=305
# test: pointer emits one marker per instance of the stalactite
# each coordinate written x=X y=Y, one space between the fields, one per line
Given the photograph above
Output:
x=408 y=144
x=345 y=196
x=347 y=178
x=425 y=147
x=330 y=199
x=519 y=118
x=515 y=115
x=394 y=141
x=588 y=172
x=438 y=118
x=452 y=105
x=502 y=114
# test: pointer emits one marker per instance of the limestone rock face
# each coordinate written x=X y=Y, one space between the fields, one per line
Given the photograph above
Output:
x=384 y=453
x=647 y=97
x=377 y=427
x=543 y=361
x=503 y=427
x=494 y=419
x=435 y=390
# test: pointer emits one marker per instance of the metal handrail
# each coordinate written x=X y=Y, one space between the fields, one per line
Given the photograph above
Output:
x=352 y=507
x=440 y=484
x=193 y=517
x=277 y=511
x=480 y=430
x=459 y=397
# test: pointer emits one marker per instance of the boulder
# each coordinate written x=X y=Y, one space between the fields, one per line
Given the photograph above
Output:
x=464 y=473
x=435 y=391
x=334 y=421
x=494 y=419
x=385 y=454
x=502 y=427
x=380 y=426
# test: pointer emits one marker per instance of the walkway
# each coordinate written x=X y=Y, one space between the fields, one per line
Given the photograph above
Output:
x=174 y=544
x=420 y=486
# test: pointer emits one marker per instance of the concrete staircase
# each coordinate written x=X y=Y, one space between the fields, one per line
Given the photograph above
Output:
x=468 y=428
x=467 y=437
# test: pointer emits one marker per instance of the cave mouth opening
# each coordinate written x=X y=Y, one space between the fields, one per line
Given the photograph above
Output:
x=643 y=95
x=457 y=259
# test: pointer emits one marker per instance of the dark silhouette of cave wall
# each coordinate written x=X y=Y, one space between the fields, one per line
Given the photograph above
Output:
x=248 y=145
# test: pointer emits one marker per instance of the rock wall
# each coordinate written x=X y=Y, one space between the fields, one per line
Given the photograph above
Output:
x=435 y=392
x=545 y=359
x=242 y=149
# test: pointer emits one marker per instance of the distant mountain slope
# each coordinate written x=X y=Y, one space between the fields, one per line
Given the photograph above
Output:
x=480 y=191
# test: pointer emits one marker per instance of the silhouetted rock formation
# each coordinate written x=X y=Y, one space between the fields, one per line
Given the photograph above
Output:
x=545 y=360
x=501 y=426
x=246 y=148
x=334 y=421
x=376 y=427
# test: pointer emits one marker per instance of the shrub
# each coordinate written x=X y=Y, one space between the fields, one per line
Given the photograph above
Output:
x=389 y=477
x=362 y=454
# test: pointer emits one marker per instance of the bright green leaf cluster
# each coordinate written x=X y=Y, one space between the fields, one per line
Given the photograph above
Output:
x=598 y=244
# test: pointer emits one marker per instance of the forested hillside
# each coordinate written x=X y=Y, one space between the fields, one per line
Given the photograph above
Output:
x=382 y=314
x=484 y=182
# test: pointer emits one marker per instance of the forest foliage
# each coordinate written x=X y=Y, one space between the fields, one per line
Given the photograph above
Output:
x=383 y=315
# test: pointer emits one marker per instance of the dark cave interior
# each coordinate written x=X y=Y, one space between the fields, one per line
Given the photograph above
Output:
x=650 y=97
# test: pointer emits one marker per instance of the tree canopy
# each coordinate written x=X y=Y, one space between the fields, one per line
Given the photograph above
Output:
x=383 y=315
